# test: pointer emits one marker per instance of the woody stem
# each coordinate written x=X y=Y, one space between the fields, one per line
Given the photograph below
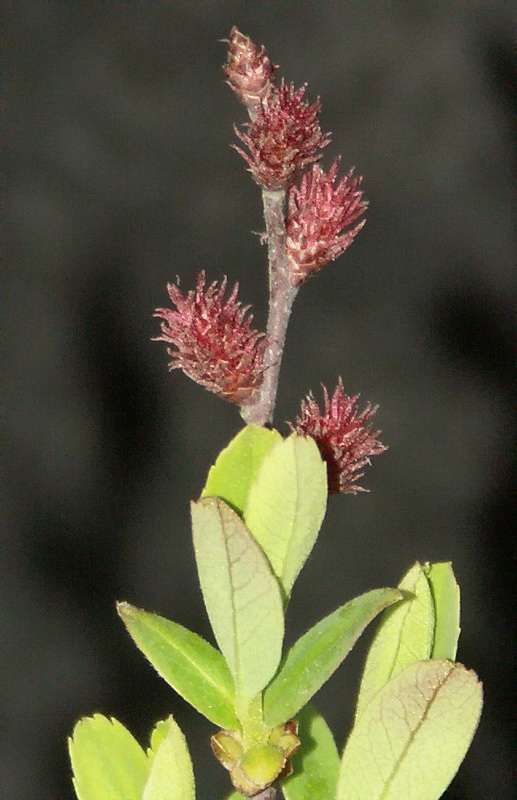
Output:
x=281 y=298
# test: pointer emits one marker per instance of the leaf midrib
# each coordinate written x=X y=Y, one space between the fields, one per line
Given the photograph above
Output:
x=414 y=732
x=224 y=690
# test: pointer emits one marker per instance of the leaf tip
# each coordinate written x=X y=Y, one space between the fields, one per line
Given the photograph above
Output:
x=205 y=501
x=124 y=609
x=397 y=595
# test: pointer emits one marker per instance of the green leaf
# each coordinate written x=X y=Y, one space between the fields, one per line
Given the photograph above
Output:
x=158 y=734
x=411 y=738
x=316 y=764
x=241 y=594
x=238 y=464
x=171 y=776
x=195 y=669
x=446 y=597
x=319 y=652
x=107 y=761
x=286 y=505
x=405 y=634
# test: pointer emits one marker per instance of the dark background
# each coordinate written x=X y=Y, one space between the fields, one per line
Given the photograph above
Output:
x=120 y=177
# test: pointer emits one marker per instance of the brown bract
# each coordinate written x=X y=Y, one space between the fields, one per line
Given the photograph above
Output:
x=216 y=345
x=283 y=138
x=343 y=436
x=320 y=213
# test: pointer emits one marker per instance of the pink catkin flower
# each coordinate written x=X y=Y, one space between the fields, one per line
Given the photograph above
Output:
x=343 y=436
x=216 y=346
x=248 y=70
x=320 y=212
x=283 y=138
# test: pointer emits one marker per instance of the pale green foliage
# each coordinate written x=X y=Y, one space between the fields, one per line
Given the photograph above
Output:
x=446 y=597
x=170 y=775
x=107 y=761
x=241 y=594
x=279 y=487
x=237 y=466
x=253 y=529
x=195 y=669
x=319 y=652
x=109 y=764
x=405 y=634
x=286 y=505
x=316 y=764
x=411 y=738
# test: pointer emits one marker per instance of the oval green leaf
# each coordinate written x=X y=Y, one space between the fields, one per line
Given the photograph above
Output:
x=413 y=735
x=171 y=776
x=446 y=597
x=316 y=764
x=319 y=652
x=238 y=464
x=286 y=505
x=195 y=669
x=405 y=634
x=107 y=761
x=241 y=594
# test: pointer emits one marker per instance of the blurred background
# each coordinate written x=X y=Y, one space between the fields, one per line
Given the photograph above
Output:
x=119 y=178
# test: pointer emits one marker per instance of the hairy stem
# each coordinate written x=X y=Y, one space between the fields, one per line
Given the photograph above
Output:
x=281 y=298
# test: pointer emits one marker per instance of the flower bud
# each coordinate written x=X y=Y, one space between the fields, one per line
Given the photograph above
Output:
x=320 y=214
x=258 y=769
x=216 y=346
x=284 y=137
x=343 y=436
x=249 y=71
x=254 y=769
